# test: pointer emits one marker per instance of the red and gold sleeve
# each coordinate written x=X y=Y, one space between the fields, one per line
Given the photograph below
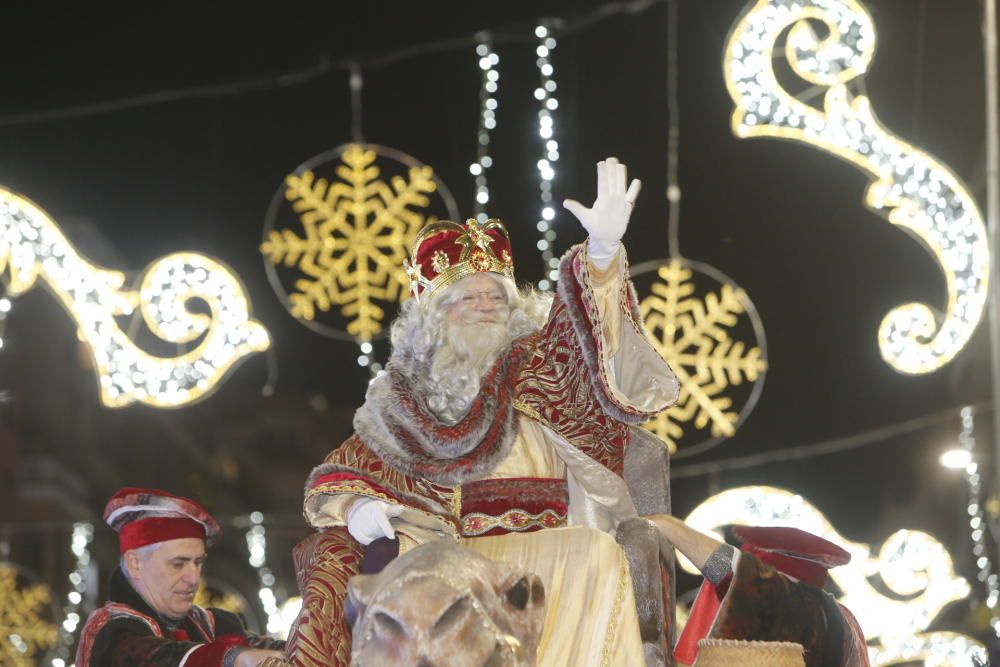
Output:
x=353 y=471
x=594 y=373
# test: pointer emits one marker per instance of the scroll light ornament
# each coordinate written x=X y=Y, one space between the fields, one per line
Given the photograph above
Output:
x=912 y=565
x=33 y=247
x=357 y=227
x=909 y=186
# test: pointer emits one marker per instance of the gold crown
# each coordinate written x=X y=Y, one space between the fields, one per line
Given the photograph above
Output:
x=445 y=252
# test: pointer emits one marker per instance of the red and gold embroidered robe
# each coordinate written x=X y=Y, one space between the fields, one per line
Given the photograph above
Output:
x=576 y=386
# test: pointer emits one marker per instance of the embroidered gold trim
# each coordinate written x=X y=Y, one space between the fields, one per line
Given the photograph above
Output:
x=616 y=610
x=456 y=502
x=475 y=524
x=359 y=488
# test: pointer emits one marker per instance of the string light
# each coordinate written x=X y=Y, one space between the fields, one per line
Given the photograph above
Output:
x=289 y=612
x=257 y=547
x=488 y=61
x=545 y=94
x=913 y=565
x=977 y=518
x=5 y=308
x=909 y=186
x=33 y=247
x=83 y=534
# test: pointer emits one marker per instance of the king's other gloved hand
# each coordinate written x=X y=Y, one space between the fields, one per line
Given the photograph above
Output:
x=368 y=520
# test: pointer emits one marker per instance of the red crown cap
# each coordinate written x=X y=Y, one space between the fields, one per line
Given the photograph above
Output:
x=445 y=252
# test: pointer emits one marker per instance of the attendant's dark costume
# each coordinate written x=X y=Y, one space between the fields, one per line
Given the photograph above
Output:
x=128 y=632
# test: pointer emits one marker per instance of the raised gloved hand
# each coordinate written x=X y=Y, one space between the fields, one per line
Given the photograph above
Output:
x=368 y=520
x=607 y=220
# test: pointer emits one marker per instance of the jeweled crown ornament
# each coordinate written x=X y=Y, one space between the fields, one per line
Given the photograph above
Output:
x=444 y=252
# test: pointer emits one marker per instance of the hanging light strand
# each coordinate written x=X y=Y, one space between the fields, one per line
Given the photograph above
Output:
x=488 y=61
x=977 y=519
x=257 y=546
x=5 y=307
x=545 y=94
x=83 y=534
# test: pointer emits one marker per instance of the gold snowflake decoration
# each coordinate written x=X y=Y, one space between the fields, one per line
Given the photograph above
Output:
x=692 y=335
x=357 y=232
x=24 y=628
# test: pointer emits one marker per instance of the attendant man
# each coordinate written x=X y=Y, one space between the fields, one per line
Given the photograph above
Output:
x=769 y=591
x=151 y=619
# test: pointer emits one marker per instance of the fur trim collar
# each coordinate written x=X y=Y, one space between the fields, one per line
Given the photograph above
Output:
x=397 y=426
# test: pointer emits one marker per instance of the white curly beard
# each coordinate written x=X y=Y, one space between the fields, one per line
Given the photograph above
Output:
x=464 y=354
x=445 y=362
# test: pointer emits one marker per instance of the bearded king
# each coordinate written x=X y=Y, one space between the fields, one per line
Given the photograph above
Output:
x=501 y=422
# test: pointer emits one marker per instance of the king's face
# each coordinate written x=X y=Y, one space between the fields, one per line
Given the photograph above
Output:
x=478 y=299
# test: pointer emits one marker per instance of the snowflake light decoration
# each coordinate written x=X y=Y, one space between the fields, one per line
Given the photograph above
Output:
x=692 y=334
x=356 y=229
x=25 y=627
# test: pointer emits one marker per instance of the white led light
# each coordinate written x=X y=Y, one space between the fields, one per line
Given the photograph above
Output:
x=83 y=534
x=955 y=458
x=487 y=122
x=909 y=186
x=289 y=611
x=977 y=520
x=913 y=565
x=550 y=151
x=257 y=549
x=33 y=247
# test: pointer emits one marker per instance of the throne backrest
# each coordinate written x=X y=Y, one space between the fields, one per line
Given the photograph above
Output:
x=647 y=472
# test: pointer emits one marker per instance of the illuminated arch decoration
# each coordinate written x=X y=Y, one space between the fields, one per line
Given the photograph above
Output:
x=694 y=333
x=26 y=627
x=359 y=207
x=32 y=248
x=908 y=186
x=912 y=565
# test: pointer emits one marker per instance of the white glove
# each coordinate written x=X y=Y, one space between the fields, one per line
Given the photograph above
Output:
x=607 y=220
x=368 y=520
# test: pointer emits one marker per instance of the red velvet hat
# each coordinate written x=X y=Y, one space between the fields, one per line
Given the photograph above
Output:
x=795 y=552
x=149 y=516
x=445 y=252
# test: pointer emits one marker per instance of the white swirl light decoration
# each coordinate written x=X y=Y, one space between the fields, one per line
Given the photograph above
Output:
x=911 y=564
x=33 y=247
x=909 y=186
